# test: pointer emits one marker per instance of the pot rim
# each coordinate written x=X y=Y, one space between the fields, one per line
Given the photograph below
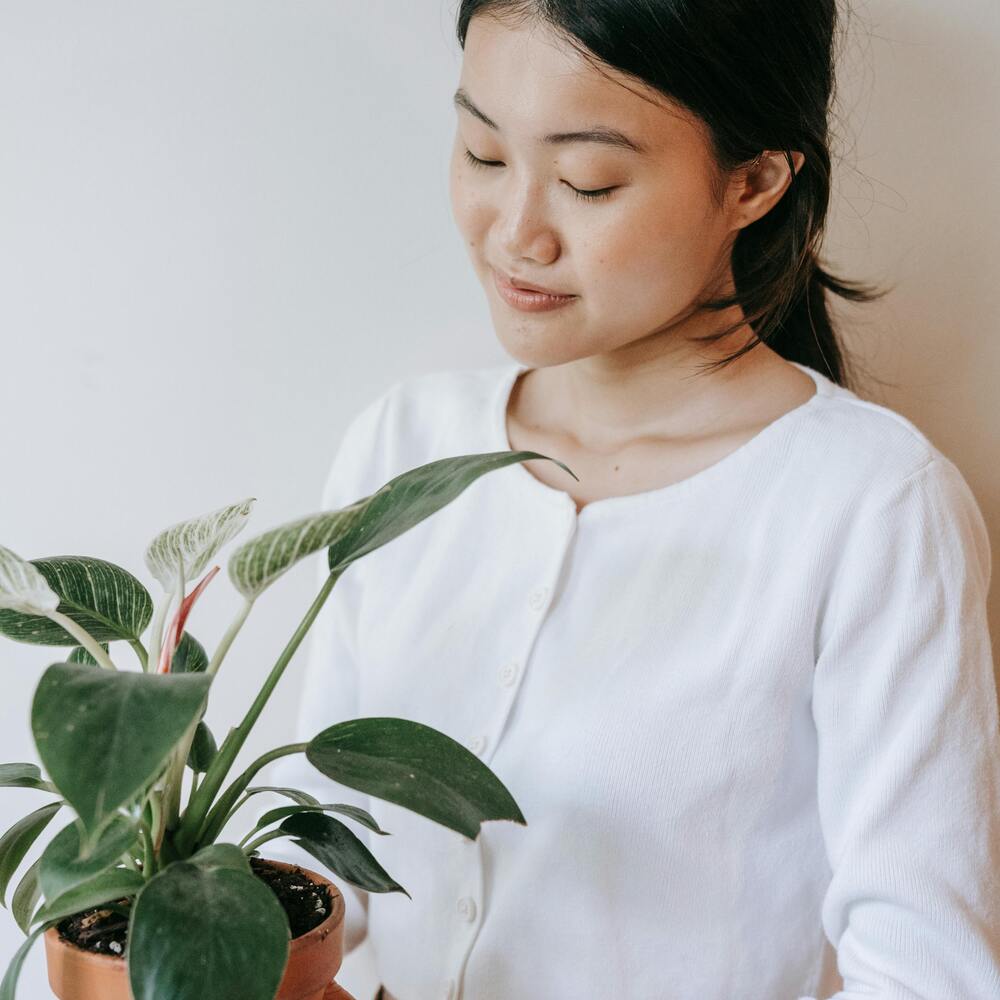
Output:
x=323 y=928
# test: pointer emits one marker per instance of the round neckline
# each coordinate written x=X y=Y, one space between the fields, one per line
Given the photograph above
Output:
x=523 y=479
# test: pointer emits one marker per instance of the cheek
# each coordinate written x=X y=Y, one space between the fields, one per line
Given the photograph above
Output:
x=467 y=209
x=666 y=241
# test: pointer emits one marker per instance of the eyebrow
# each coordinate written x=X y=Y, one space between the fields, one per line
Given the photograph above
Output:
x=597 y=133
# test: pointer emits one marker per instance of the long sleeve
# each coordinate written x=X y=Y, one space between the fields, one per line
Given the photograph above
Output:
x=908 y=775
x=329 y=685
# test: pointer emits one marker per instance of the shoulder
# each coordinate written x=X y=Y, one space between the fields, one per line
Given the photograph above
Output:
x=437 y=396
x=861 y=443
x=881 y=483
x=855 y=466
x=417 y=419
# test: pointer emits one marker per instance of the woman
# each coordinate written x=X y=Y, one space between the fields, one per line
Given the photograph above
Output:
x=738 y=674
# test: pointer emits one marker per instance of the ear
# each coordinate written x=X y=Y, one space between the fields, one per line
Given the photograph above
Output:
x=759 y=187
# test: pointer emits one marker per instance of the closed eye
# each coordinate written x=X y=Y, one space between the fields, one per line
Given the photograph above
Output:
x=594 y=195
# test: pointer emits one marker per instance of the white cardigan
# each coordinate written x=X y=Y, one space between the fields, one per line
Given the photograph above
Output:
x=750 y=717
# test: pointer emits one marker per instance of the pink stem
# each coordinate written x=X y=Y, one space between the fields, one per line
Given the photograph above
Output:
x=176 y=628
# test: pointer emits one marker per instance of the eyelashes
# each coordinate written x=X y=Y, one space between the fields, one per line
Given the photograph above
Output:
x=595 y=195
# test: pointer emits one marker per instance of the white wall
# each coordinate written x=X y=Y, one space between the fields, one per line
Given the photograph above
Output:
x=224 y=226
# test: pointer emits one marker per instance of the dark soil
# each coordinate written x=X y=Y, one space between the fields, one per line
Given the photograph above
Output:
x=106 y=931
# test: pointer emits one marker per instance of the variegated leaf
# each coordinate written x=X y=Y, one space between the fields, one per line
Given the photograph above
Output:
x=22 y=587
x=191 y=544
x=101 y=597
x=366 y=524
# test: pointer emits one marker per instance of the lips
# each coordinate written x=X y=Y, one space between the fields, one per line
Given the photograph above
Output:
x=527 y=286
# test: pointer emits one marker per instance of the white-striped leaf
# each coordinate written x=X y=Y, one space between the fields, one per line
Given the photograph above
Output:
x=191 y=544
x=81 y=655
x=22 y=587
x=366 y=524
x=189 y=656
x=106 y=600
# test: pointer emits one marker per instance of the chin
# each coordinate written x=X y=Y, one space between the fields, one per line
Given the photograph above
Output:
x=535 y=351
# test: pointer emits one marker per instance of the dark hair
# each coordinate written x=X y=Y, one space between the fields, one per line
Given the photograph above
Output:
x=760 y=75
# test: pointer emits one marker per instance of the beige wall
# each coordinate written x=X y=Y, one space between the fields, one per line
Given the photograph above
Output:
x=916 y=207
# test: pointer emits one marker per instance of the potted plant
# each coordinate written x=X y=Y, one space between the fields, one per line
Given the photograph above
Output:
x=195 y=917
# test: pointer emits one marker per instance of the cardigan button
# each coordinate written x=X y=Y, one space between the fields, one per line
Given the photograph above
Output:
x=536 y=599
x=508 y=673
x=476 y=744
x=467 y=908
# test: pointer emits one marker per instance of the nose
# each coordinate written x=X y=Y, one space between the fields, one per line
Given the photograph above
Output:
x=524 y=231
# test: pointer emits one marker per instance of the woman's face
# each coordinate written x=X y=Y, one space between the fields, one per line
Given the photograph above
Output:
x=635 y=260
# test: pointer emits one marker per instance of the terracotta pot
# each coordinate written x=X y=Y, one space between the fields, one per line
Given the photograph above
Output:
x=313 y=960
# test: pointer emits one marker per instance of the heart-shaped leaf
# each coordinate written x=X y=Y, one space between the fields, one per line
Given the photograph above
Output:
x=206 y=931
x=62 y=867
x=106 y=600
x=104 y=736
x=15 y=843
x=189 y=656
x=26 y=897
x=80 y=655
x=23 y=776
x=414 y=766
x=22 y=588
x=113 y=884
x=203 y=749
x=365 y=525
x=355 y=812
x=191 y=544
x=335 y=845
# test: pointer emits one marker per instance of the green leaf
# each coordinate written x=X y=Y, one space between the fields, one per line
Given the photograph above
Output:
x=356 y=813
x=104 y=736
x=23 y=776
x=16 y=842
x=206 y=931
x=22 y=588
x=203 y=749
x=221 y=856
x=303 y=798
x=80 y=655
x=9 y=983
x=189 y=657
x=106 y=600
x=190 y=544
x=365 y=525
x=414 y=766
x=62 y=867
x=26 y=897
x=116 y=883
x=335 y=845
